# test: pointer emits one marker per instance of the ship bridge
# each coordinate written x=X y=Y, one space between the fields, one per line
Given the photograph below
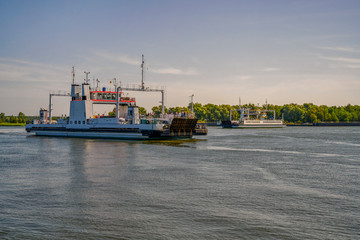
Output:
x=106 y=97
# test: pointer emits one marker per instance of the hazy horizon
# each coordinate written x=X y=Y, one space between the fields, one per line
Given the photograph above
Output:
x=282 y=51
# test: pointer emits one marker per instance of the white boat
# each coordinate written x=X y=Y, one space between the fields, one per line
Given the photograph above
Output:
x=126 y=124
x=254 y=119
x=254 y=124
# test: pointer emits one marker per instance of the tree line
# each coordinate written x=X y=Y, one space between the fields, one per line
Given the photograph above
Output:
x=291 y=113
x=20 y=118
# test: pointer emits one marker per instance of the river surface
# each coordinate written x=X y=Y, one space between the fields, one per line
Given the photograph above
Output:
x=292 y=183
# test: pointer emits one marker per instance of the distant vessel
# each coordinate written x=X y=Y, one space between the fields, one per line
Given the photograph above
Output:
x=253 y=119
x=126 y=124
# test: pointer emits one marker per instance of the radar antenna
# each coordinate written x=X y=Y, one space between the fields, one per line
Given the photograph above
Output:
x=87 y=77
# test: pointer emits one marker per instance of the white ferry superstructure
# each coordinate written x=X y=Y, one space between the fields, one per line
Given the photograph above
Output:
x=259 y=119
x=126 y=124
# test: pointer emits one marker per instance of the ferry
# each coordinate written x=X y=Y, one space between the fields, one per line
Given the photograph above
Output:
x=126 y=124
x=253 y=119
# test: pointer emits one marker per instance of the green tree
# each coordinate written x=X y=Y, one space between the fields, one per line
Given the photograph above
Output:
x=293 y=113
x=355 y=116
x=313 y=118
x=200 y=111
x=323 y=113
x=157 y=110
x=21 y=117
x=112 y=113
x=276 y=108
x=225 y=112
x=343 y=115
x=307 y=112
x=13 y=119
x=2 y=117
x=311 y=113
x=333 y=117
x=235 y=114
x=142 y=111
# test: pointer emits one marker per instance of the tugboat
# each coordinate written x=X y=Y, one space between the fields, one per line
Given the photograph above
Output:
x=126 y=124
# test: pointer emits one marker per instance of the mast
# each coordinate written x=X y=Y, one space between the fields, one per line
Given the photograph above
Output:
x=73 y=75
x=142 y=72
x=147 y=89
x=241 y=113
x=117 y=103
x=87 y=77
x=266 y=105
x=162 y=103
x=192 y=103
x=50 y=112
x=97 y=84
x=115 y=83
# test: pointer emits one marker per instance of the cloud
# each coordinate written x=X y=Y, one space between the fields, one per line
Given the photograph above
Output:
x=342 y=49
x=16 y=62
x=30 y=83
x=118 y=58
x=353 y=66
x=342 y=59
x=270 y=69
x=21 y=71
x=243 y=77
x=175 y=71
x=165 y=70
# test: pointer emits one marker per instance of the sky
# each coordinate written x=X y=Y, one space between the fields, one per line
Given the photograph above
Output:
x=278 y=50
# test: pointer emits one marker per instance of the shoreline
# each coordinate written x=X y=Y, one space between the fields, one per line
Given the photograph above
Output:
x=12 y=124
x=324 y=124
x=321 y=124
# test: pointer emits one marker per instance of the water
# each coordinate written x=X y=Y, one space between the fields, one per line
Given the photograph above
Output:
x=293 y=183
